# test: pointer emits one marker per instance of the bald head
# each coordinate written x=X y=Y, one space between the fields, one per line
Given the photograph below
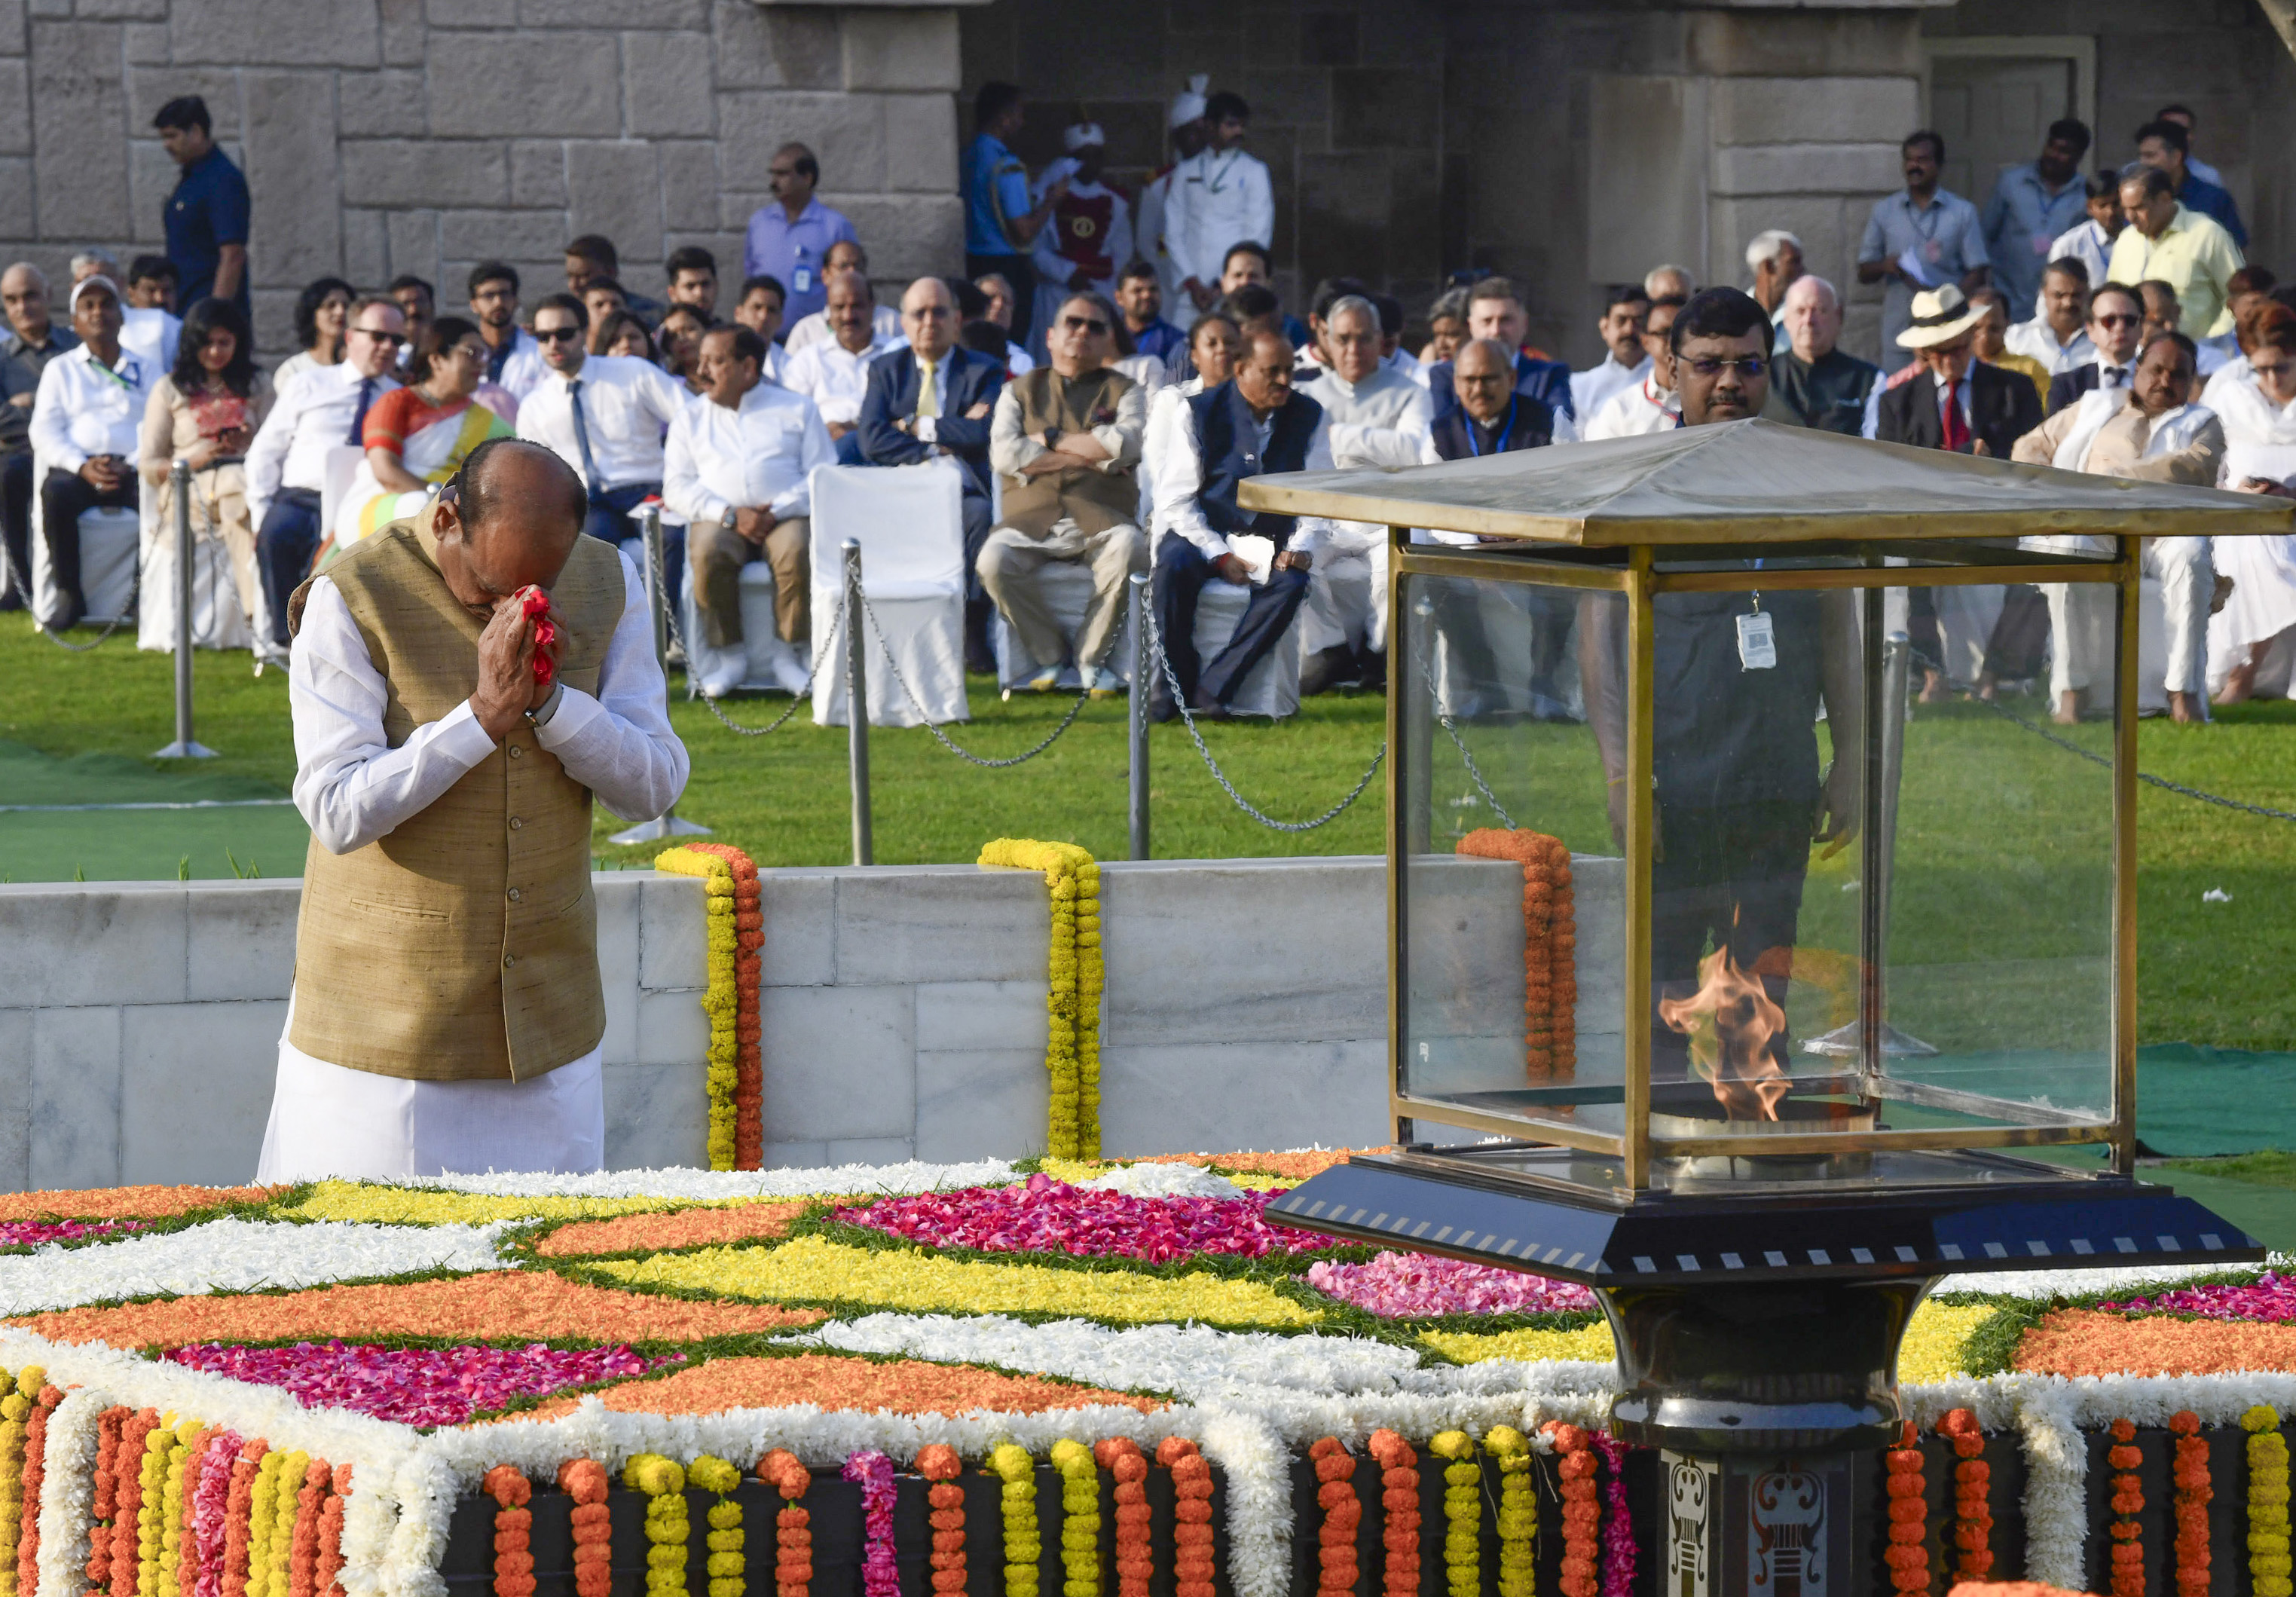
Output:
x=1813 y=317
x=929 y=317
x=511 y=524
x=24 y=296
x=1482 y=374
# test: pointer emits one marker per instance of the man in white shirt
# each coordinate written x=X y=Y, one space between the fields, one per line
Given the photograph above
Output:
x=1065 y=442
x=2090 y=240
x=447 y=1011
x=322 y=410
x=737 y=468
x=833 y=372
x=846 y=255
x=1253 y=424
x=604 y=416
x=86 y=419
x=1217 y=197
x=513 y=360
x=1649 y=405
x=1627 y=362
x=148 y=329
x=2055 y=337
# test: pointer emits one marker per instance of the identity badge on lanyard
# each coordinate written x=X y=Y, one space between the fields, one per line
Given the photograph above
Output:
x=1758 y=644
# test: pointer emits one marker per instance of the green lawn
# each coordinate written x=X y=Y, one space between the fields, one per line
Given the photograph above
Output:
x=1998 y=857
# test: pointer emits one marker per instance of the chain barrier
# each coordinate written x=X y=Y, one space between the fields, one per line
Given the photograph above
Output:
x=2163 y=783
x=21 y=585
x=677 y=636
x=1180 y=702
x=1450 y=726
x=886 y=649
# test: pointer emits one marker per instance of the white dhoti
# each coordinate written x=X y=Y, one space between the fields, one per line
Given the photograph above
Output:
x=2185 y=569
x=1346 y=591
x=327 y=1120
x=2080 y=637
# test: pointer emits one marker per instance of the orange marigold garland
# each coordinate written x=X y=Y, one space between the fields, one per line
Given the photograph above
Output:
x=793 y=1528
x=585 y=1481
x=1582 y=1509
x=1136 y=1562
x=1398 y=1479
x=513 y=1529
x=2194 y=1492
x=35 y=1475
x=1973 y=1479
x=331 y=1533
x=237 y=1511
x=1908 y=1555
x=1550 y=943
x=127 y=1499
x=1191 y=1512
x=749 y=1030
x=1335 y=1495
x=945 y=1501
x=2128 y=1502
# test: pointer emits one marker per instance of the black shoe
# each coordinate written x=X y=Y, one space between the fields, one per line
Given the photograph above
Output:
x=1373 y=676
x=1325 y=669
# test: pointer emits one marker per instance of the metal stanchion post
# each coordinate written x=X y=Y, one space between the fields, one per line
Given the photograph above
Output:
x=668 y=823
x=857 y=706
x=1144 y=666
x=185 y=746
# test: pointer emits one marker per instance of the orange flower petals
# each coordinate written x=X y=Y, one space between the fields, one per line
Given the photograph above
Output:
x=905 y=1386
x=658 y=1233
x=127 y=1203
x=499 y=1305
x=2074 y=1342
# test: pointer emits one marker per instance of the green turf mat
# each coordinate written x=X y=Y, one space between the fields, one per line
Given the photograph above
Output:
x=2194 y=1100
x=234 y=838
x=29 y=777
x=2267 y=1213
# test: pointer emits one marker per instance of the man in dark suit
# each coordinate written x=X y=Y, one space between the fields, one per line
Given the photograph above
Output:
x=935 y=397
x=1960 y=404
x=2116 y=322
x=1990 y=409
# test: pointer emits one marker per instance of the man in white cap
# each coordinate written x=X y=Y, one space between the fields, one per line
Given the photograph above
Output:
x=1089 y=237
x=86 y=420
x=1220 y=197
x=1185 y=125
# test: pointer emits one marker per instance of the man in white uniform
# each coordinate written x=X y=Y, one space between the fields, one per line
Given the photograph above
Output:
x=1185 y=123
x=1219 y=197
x=448 y=1009
x=1086 y=240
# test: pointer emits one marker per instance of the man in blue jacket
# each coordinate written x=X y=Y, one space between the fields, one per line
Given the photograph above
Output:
x=1494 y=310
x=937 y=397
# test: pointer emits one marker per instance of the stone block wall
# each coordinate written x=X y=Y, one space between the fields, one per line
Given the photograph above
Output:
x=383 y=136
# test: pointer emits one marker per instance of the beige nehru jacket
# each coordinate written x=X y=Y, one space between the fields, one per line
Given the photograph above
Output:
x=1096 y=500
x=462 y=946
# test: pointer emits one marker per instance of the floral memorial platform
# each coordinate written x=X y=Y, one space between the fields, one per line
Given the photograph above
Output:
x=1002 y=1379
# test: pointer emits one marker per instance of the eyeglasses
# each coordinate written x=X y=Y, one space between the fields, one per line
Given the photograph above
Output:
x=1746 y=366
x=1083 y=324
x=392 y=339
x=556 y=335
x=2123 y=320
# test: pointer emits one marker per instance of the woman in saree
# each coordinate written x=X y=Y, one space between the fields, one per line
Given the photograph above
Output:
x=417 y=436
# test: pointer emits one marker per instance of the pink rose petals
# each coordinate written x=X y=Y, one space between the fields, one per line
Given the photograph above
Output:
x=1414 y=1285
x=2270 y=1298
x=1049 y=1216
x=33 y=1233
x=415 y=1386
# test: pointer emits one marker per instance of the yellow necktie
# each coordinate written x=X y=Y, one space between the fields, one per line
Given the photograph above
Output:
x=928 y=402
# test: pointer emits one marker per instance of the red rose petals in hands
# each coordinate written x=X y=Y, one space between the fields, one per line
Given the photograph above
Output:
x=537 y=605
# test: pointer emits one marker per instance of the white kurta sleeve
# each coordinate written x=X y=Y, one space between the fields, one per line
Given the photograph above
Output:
x=620 y=743
x=1178 y=476
x=684 y=490
x=350 y=785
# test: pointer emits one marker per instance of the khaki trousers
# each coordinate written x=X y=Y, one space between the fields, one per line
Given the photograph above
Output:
x=1008 y=565
x=716 y=555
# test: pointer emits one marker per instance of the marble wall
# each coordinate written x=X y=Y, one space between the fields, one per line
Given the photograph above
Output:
x=903 y=1013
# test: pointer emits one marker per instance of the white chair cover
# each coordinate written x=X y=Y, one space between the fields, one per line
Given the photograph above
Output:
x=1273 y=686
x=1068 y=589
x=910 y=524
x=761 y=645
x=109 y=545
x=218 y=620
x=335 y=477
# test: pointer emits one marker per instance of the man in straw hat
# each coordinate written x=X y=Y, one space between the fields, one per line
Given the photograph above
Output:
x=1957 y=402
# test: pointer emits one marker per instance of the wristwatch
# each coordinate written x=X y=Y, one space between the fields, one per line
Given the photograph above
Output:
x=539 y=717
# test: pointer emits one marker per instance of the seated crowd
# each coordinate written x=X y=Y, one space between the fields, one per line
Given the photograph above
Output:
x=1086 y=429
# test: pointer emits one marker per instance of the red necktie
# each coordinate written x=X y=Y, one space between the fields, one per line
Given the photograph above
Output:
x=1956 y=430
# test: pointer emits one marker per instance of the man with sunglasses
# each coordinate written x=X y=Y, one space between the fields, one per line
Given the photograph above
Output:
x=323 y=410
x=1066 y=441
x=2116 y=323
x=447 y=1011
x=1740 y=796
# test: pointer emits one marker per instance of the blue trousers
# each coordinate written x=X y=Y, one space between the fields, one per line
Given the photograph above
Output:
x=1181 y=572
x=283 y=548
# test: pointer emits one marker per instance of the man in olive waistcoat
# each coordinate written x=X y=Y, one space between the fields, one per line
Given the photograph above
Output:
x=448 y=1009
x=1066 y=440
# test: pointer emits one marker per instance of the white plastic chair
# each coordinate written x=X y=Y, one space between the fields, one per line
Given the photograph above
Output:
x=1067 y=590
x=111 y=546
x=335 y=477
x=909 y=521
x=761 y=651
x=1271 y=687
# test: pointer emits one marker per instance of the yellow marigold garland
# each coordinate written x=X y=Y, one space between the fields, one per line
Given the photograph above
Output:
x=287 y=1487
x=1080 y=1517
x=2268 y=1502
x=15 y=1408
x=1073 y=986
x=726 y=1537
x=1023 y=1545
x=666 y=1525
x=1518 y=1522
x=171 y=1509
x=150 y=1508
x=1462 y=1505
x=722 y=999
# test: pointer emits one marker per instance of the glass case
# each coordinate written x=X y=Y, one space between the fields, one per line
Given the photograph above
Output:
x=1693 y=891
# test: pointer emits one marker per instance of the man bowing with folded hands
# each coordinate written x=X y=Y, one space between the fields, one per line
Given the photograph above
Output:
x=461 y=684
